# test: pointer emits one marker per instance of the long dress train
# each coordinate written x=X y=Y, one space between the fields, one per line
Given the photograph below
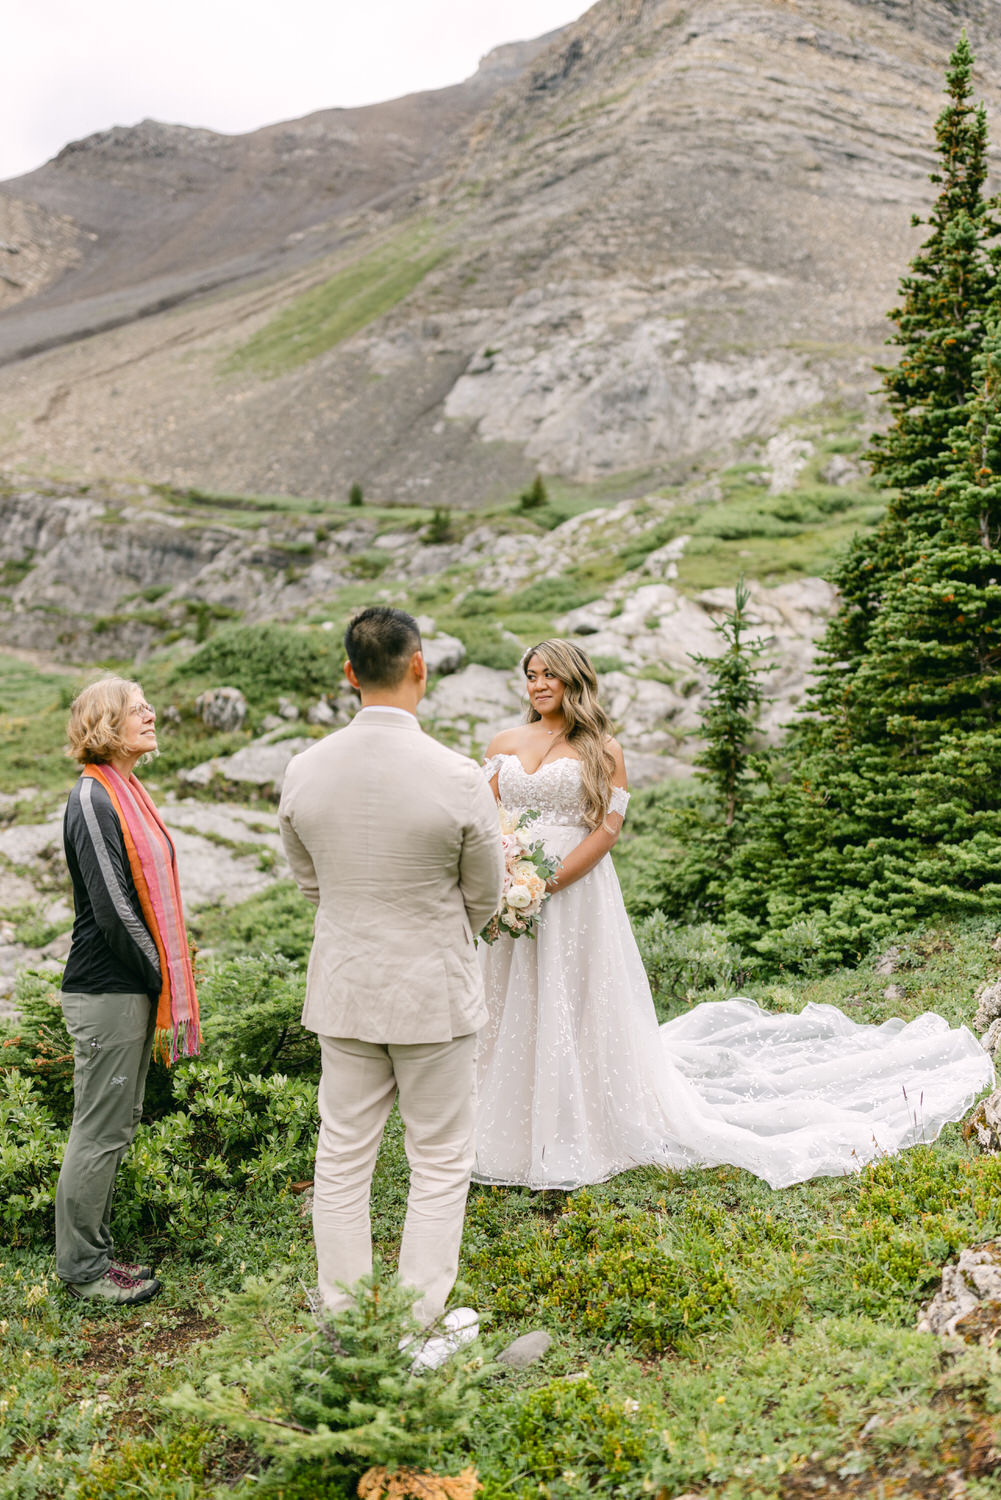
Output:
x=577 y=1081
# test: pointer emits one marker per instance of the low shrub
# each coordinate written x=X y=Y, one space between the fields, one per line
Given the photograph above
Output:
x=264 y=660
x=602 y=1271
x=566 y=1439
x=552 y=596
x=186 y=1173
x=486 y=645
x=31 y=1152
x=251 y=1007
x=178 y=1464
x=681 y=961
x=38 y=1044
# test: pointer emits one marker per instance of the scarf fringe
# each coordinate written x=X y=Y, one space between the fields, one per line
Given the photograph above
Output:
x=172 y=1042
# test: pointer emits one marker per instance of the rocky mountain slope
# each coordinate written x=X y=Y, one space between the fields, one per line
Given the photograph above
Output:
x=164 y=211
x=647 y=244
x=162 y=580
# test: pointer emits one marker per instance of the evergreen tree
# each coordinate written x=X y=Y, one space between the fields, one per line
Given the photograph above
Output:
x=940 y=329
x=884 y=809
x=897 y=817
x=940 y=321
x=733 y=702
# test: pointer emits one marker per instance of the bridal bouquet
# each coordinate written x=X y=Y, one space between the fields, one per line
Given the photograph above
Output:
x=527 y=867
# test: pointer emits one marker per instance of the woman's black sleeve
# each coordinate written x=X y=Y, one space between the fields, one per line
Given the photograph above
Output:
x=94 y=842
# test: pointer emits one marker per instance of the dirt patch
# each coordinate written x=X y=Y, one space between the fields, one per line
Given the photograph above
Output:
x=110 y=1346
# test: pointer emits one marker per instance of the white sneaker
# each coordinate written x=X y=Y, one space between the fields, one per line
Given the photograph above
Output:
x=461 y=1325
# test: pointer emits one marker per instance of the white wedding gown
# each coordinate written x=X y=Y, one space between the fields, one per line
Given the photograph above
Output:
x=577 y=1081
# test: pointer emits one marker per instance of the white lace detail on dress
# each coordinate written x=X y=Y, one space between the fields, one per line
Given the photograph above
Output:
x=619 y=801
x=552 y=790
x=492 y=765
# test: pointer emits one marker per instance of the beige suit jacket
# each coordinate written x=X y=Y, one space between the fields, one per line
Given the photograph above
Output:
x=396 y=840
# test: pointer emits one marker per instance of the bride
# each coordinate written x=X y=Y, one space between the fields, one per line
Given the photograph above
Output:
x=576 y=1079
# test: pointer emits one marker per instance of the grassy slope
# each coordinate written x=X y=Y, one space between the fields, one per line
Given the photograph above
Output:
x=356 y=295
x=719 y=1337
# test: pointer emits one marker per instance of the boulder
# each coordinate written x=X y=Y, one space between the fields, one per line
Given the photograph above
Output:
x=888 y=962
x=841 y=470
x=988 y=999
x=443 y=654
x=321 y=713
x=213 y=874
x=786 y=454
x=968 y=1303
x=223 y=708
x=257 y=764
x=525 y=1350
x=985 y=1122
x=474 y=704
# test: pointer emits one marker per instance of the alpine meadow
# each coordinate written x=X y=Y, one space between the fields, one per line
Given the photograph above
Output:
x=524 y=382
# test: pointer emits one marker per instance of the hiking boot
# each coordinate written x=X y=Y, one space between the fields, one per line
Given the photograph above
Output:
x=141 y=1273
x=116 y=1286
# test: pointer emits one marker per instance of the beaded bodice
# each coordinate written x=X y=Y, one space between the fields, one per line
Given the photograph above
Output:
x=553 y=790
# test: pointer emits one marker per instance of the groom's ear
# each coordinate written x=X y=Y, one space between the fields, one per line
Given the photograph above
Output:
x=349 y=673
x=419 y=667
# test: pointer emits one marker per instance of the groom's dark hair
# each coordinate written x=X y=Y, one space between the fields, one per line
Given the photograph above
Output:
x=379 y=643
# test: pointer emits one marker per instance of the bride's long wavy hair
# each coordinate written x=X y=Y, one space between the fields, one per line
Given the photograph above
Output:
x=587 y=724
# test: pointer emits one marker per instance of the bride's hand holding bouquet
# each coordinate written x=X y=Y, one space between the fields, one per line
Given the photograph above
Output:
x=527 y=868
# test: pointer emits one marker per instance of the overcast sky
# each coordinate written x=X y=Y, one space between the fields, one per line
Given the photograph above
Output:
x=69 y=68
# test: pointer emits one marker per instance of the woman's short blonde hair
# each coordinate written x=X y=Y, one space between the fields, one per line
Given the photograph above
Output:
x=97 y=721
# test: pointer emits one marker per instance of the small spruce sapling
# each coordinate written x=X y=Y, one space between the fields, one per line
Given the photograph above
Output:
x=341 y=1398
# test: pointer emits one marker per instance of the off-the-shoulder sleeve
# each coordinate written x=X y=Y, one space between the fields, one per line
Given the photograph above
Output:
x=491 y=766
x=619 y=801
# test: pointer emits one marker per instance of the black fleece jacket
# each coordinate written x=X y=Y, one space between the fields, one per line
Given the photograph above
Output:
x=112 y=950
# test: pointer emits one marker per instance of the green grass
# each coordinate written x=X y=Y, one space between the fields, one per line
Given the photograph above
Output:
x=356 y=295
x=34 y=708
x=710 y=1336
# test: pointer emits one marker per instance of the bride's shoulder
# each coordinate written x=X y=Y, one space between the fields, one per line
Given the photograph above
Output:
x=505 y=743
x=614 y=749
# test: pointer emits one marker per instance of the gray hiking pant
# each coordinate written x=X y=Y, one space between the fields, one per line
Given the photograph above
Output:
x=112 y=1041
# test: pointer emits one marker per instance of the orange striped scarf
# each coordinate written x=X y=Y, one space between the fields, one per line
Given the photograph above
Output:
x=154 y=870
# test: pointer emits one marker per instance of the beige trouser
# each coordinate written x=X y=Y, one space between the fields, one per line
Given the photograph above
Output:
x=436 y=1083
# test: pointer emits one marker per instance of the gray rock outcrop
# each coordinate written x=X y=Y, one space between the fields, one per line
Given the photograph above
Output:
x=984 y=1124
x=223 y=708
x=968 y=1303
x=443 y=654
x=262 y=763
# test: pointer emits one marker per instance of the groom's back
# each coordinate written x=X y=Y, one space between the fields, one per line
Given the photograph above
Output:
x=395 y=837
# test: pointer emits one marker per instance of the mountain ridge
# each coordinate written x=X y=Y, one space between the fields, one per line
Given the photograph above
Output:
x=668 y=231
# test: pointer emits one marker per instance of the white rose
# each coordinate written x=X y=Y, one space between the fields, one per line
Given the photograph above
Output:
x=519 y=896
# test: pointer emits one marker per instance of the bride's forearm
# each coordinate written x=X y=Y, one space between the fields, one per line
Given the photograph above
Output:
x=581 y=860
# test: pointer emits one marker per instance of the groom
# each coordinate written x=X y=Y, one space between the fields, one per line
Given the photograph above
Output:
x=396 y=841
